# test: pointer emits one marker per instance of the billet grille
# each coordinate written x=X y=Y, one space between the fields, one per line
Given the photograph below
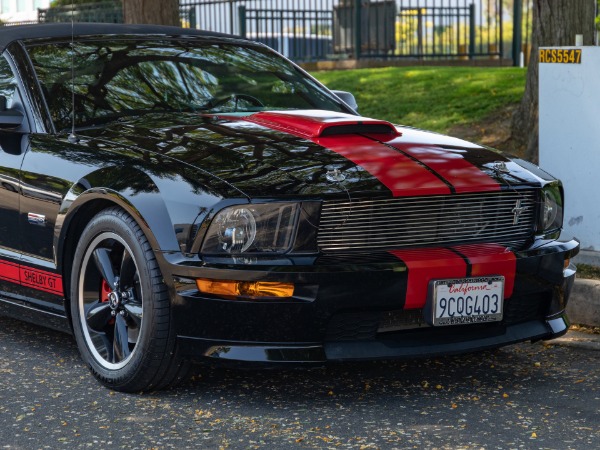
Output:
x=414 y=222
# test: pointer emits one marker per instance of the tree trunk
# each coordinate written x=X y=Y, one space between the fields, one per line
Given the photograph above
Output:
x=163 y=12
x=555 y=23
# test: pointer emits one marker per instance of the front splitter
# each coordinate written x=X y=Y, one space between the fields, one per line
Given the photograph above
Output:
x=393 y=346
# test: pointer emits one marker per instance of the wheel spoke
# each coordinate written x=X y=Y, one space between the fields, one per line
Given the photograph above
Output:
x=135 y=312
x=120 y=342
x=104 y=265
x=97 y=316
x=127 y=270
x=107 y=345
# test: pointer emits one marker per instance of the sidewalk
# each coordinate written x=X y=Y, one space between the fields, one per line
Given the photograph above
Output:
x=577 y=339
x=584 y=304
x=583 y=307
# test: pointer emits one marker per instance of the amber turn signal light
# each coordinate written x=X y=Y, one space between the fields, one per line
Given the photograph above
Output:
x=253 y=289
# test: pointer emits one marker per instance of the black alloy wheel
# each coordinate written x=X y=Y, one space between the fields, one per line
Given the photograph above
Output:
x=120 y=307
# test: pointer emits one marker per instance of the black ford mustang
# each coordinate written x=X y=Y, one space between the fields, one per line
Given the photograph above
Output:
x=170 y=195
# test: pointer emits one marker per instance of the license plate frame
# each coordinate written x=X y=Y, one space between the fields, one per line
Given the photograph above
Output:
x=461 y=301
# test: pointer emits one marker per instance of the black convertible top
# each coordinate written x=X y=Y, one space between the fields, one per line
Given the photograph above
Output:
x=9 y=34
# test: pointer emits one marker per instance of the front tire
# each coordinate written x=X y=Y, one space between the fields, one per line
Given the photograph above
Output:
x=120 y=307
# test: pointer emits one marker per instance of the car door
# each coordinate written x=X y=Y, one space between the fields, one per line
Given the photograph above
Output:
x=28 y=199
x=13 y=143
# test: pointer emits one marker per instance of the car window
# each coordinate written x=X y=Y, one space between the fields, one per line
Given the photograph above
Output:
x=129 y=77
x=8 y=82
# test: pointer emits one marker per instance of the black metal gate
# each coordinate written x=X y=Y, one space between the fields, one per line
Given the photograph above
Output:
x=316 y=30
x=309 y=30
x=302 y=35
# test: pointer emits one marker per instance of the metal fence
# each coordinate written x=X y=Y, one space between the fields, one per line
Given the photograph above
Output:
x=314 y=30
x=270 y=27
x=308 y=30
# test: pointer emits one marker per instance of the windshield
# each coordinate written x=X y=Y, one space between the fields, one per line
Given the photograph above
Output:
x=122 y=77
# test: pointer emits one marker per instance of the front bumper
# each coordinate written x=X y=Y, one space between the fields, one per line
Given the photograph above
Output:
x=417 y=344
x=352 y=308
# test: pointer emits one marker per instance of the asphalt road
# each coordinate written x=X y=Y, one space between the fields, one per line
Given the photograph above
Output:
x=524 y=396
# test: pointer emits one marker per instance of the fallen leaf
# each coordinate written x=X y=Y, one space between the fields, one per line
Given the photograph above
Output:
x=203 y=414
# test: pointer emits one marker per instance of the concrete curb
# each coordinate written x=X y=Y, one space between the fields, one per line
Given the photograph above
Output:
x=584 y=304
x=577 y=339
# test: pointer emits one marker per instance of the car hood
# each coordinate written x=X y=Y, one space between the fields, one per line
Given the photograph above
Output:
x=317 y=153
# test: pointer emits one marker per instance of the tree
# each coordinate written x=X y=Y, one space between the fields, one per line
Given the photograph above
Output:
x=165 y=12
x=555 y=23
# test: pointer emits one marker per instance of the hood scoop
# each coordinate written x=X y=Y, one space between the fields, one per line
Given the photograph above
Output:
x=313 y=124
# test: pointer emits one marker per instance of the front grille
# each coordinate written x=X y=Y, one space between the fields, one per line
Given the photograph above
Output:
x=526 y=307
x=364 y=258
x=353 y=326
x=405 y=319
x=369 y=325
x=366 y=325
x=439 y=220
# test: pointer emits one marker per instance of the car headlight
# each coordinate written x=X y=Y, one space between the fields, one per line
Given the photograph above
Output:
x=551 y=210
x=255 y=228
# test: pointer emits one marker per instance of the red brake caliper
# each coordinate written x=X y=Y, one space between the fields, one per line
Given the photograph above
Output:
x=104 y=291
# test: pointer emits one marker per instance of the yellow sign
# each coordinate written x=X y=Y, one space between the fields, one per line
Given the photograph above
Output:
x=560 y=55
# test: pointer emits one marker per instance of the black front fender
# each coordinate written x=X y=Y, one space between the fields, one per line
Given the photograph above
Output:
x=166 y=209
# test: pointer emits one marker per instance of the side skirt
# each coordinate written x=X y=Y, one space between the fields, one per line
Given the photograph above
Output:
x=16 y=309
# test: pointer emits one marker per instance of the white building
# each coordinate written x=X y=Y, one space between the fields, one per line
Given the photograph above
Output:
x=21 y=10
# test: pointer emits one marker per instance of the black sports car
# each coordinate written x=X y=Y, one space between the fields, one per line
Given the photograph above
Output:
x=170 y=196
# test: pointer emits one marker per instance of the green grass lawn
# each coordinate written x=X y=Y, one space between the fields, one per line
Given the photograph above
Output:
x=432 y=98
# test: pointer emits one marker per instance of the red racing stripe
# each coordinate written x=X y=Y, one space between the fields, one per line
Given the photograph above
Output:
x=452 y=166
x=425 y=265
x=9 y=271
x=492 y=259
x=402 y=175
x=36 y=279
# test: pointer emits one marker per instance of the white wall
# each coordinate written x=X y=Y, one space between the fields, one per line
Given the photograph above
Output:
x=569 y=117
x=21 y=10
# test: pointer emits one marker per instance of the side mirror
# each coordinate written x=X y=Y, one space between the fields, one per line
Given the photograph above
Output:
x=9 y=118
x=348 y=99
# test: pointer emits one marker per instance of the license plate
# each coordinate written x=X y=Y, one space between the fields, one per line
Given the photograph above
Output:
x=467 y=300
